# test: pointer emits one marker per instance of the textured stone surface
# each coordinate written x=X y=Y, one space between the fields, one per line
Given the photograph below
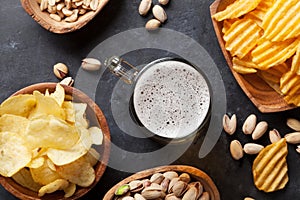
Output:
x=28 y=53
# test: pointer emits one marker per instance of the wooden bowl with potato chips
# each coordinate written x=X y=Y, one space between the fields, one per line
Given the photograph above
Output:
x=54 y=143
x=261 y=45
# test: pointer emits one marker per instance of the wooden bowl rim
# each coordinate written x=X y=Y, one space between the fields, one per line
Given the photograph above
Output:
x=10 y=185
x=195 y=173
x=264 y=108
x=43 y=18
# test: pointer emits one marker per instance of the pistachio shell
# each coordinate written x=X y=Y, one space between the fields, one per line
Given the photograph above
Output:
x=185 y=177
x=157 y=178
x=159 y=13
x=170 y=174
x=293 y=124
x=123 y=189
x=236 y=150
x=249 y=124
x=259 y=130
x=274 y=136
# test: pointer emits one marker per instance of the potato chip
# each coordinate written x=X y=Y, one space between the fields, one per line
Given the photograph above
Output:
x=243 y=66
x=51 y=132
x=66 y=156
x=242 y=37
x=14 y=153
x=274 y=74
x=282 y=21
x=44 y=174
x=13 y=123
x=268 y=54
x=293 y=99
x=79 y=172
x=58 y=94
x=92 y=156
x=20 y=105
x=260 y=11
x=80 y=118
x=227 y=24
x=59 y=184
x=296 y=62
x=288 y=81
x=69 y=111
x=43 y=107
x=70 y=190
x=236 y=9
x=96 y=134
x=24 y=178
x=36 y=162
x=270 y=167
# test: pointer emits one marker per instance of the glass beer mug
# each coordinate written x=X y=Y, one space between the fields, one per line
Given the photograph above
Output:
x=171 y=97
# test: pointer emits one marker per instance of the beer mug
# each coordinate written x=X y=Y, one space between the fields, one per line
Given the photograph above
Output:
x=171 y=97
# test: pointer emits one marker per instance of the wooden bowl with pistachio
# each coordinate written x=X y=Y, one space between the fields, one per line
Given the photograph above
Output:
x=55 y=144
x=173 y=182
x=63 y=16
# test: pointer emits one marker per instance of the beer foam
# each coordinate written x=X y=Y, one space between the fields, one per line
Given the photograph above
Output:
x=171 y=99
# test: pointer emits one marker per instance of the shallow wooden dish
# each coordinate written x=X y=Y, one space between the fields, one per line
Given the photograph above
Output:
x=265 y=98
x=95 y=116
x=43 y=18
x=195 y=174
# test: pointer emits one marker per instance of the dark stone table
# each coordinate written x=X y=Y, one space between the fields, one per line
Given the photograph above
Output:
x=28 y=53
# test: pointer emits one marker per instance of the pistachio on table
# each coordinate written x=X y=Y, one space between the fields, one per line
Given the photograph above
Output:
x=168 y=185
x=144 y=7
x=259 y=130
x=163 y=2
x=152 y=24
x=159 y=13
x=229 y=124
x=252 y=148
x=293 y=138
x=298 y=149
x=274 y=136
x=236 y=150
x=60 y=70
x=293 y=124
x=249 y=124
x=91 y=64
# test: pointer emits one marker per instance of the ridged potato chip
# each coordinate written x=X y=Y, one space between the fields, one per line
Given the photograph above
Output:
x=14 y=155
x=227 y=24
x=20 y=105
x=79 y=172
x=242 y=37
x=274 y=74
x=24 y=178
x=236 y=9
x=282 y=21
x=288 y=81
x=270 y=167
x=244 y=66
x=268 y=54
x=296 y=62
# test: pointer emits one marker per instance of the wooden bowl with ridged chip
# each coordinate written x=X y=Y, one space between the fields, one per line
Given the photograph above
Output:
x=95 y=117
x=265 y=98
x=43 y=18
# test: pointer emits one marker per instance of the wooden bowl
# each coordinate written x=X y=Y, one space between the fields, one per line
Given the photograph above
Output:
x=95 y=116
x=265 y=98
x=196 y=174
x=43 y=18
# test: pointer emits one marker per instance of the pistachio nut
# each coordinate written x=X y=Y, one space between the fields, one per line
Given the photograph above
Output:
x=170 y=174
x=274 y=136
x=153 y=193
x=128 y=198
x=259 y=130
x=179 y=188
x=298 y=149
x=172 y=183
x=165 y=184
x=67 y=81
x=138 y=196
x=185 y=177
x=236 y=150
x=249 y=124
x=198 y=186
x=159 y=13
x=91 y=64
x=60 y=70
x=123 y=189
x=157 y=178
x=252 y=148
x=293 y=124
x=248 y=198
x=163 y=2
x=293 y=138
x=146 y=183
x=229 y=124
x=204 y=196
x=152 y=24
x=172 y=197
x=144 y=7
x=136 y=186
x=190 y=194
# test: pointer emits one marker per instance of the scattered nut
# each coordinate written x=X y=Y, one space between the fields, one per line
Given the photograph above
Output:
x=252 y=148
x=248 y=198
x=293 y=138
x=259 y=130
x=274 y=136
x=60 y=70
x=298 y=149
x=229 y=125
x=293 y=124
x=152 y=24
x=249 y=124
x=91 y=64
x=163 y=2
x=236 y=150
x=67 y=81
x=144 y=7
x=159 y=13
